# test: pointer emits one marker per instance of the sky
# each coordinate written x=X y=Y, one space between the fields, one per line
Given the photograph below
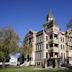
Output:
x=23 y=15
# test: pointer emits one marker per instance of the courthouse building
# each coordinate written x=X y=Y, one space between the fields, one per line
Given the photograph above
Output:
x=50 y=46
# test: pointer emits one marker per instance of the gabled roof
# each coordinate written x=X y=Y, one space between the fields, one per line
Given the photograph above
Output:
x=39 y=33
x=29 y=33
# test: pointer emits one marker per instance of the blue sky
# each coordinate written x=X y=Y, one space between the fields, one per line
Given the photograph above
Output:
x=22 y=15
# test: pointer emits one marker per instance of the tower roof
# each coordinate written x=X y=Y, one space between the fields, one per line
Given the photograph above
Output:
x=50 y=16
x=69 y=25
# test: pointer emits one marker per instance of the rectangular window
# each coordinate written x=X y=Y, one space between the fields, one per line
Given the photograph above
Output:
x=46 y=46
x=36 y=47
x=40 y=46
x=61 y=55
x=51 y=54
x=61 y=39
x=56 y=36
x=40 y=38
x=46 y=55
x=51 y=36
x=51 y=45
x=71 y=47
x=40 y=55
x=46 y=38
x=30 y=41
x=55 y=45
x=61 y=46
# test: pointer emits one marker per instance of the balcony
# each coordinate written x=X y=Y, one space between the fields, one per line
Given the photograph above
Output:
x=53 y=49
x=54 y=57
x=54 y=40
x=70 y=43
x=70 y=54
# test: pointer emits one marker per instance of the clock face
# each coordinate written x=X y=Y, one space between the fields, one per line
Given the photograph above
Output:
x=50 y=19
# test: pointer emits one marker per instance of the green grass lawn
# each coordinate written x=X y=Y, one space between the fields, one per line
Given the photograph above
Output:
x=30 y=69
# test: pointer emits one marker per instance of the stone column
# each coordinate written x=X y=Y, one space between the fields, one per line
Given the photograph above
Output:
x=53 y=54
x=56 y=63
x=46 y=64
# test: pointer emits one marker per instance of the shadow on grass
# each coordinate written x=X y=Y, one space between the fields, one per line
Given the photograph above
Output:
x=31 y=69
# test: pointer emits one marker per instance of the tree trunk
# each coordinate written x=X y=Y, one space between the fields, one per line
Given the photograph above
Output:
x=3 y=64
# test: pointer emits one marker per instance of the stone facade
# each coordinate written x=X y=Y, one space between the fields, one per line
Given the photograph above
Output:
x=51 y=47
